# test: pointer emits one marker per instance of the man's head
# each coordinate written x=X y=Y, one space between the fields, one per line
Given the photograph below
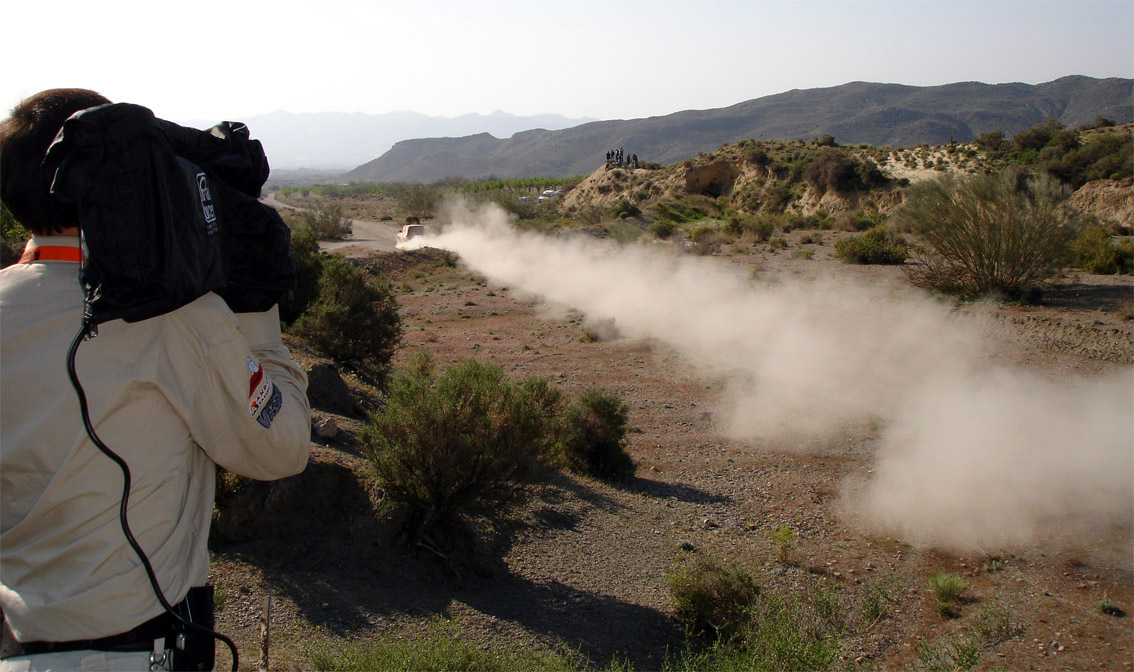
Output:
x=24 y=138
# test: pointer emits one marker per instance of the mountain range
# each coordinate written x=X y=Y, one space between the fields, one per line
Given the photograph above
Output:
x=858 y=112
x=340 y=140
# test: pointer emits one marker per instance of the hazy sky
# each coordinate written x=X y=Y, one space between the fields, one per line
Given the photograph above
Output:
x=607 y=59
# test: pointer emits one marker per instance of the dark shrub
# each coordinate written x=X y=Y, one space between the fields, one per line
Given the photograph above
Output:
x=624 y=208
x=876 y=246
x=778 y=196
x=760 y=226
x=327 y=223
x=757 y=157
x=308 y=270
x=680 y=212
x=1108 y=156
x=991 y=233
x=1041 y=136
x=711 y=598
x=13 y=238
x=418 y=199
x=663 y=228
x=835 y=169
x=592 y=437
x=450 y=447
x=1096 y=252
x=355 y=319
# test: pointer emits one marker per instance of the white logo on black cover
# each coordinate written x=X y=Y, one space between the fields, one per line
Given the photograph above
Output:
x=207 y=208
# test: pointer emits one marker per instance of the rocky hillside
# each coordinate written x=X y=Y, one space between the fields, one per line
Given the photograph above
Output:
x=806 y=178
x=858 y=112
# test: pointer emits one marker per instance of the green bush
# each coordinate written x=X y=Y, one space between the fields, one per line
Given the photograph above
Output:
x=624 y=208
x=680 y=212
x=947 y=587
x=13 y=239
x=1044 y=135
x=992 y=141
x=419 y=200
x=592 y=436
x=712 y=598
x=327 y=222
x=1108 y=156
x=1095 y=252
x=760 y=226
x=836 y=170
x=355 y=319
x=877 y=246
x=466 y=442
x=778 y=196
x=785 y=538
x=308 y=271
x=991 y=233
x=663 y=228
x=777 y=631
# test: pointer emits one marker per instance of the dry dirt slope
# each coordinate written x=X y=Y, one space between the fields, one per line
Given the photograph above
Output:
x=585 y=564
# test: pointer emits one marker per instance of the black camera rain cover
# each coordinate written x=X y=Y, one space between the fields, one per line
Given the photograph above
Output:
x=168 y=214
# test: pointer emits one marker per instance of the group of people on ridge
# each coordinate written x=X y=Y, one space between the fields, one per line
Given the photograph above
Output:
x=617 y=158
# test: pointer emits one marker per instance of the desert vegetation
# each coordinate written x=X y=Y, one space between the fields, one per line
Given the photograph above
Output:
x=751 y=193
x=1006 y=232
x=12 y=237
x=486 y=457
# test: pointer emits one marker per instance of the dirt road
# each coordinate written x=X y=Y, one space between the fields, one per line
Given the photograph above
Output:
x=366 y=236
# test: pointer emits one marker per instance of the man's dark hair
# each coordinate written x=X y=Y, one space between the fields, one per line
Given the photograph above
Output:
x=25 y=181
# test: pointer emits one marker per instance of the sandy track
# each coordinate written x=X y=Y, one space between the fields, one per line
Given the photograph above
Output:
x=366 y=236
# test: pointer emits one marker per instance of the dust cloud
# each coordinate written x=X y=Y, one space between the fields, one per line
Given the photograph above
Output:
x=971 y=455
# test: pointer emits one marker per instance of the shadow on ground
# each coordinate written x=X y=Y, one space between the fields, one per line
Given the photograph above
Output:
x=353 y=578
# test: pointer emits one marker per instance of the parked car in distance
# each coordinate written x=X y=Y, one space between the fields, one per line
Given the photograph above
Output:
x=547 y=195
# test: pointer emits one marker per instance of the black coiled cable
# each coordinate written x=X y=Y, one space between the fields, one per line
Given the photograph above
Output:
x=86 y=332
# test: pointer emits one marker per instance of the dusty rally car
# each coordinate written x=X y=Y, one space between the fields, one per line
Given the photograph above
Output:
x=410 y=231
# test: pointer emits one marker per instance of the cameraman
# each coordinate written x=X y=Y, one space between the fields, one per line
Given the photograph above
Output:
x=174 y=396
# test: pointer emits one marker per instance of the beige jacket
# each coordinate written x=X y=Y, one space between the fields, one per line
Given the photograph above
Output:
x=171 y=395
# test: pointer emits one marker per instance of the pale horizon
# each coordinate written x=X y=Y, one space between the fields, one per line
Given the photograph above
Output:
x=610 y=61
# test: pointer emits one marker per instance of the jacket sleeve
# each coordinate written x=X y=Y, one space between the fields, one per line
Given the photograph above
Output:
x=254 y=418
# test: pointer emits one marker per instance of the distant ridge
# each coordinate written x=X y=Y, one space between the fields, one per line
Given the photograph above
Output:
x=858 y=112
x=321 y=140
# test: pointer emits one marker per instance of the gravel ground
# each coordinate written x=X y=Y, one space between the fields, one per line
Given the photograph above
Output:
x=584 y=563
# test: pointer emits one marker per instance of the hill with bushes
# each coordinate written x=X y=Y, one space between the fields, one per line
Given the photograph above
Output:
x=854 y=113
x=821 y=178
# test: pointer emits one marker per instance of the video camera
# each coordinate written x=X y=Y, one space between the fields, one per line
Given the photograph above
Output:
x=168 y=214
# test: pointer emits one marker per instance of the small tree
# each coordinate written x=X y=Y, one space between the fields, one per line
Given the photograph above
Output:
x=355 y=319
x=465 y=442
x=328 y=222
x=992 y=233
x=836 y=170
x=419 y=199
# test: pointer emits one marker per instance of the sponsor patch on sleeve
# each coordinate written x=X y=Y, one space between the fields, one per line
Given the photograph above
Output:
x=264 y=398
